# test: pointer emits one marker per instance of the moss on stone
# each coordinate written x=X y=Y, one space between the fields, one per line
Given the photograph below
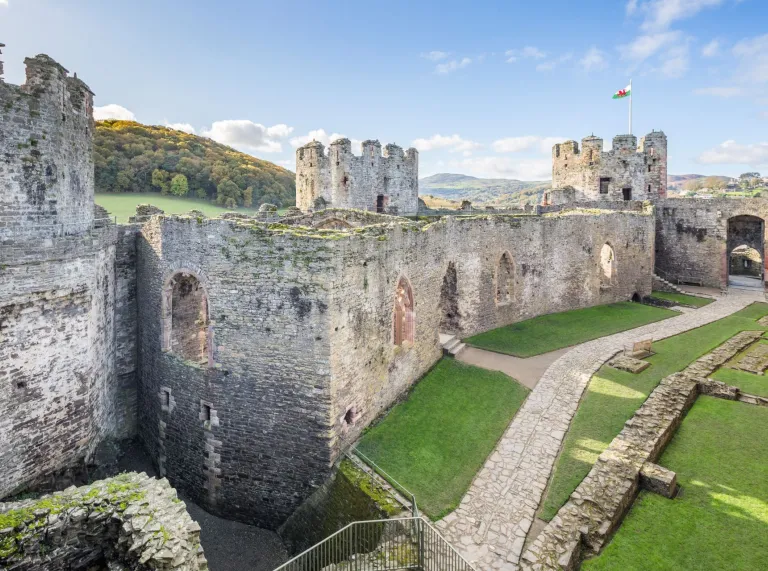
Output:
x=362 y=481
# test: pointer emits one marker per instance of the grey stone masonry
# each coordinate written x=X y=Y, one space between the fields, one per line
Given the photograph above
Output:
x=627 y=171
x=386 y=183
x=595 y=509
x=130 y=522
x=494 y=517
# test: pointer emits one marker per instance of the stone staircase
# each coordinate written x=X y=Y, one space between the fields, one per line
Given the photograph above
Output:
x=660 y=284
x=452 y=345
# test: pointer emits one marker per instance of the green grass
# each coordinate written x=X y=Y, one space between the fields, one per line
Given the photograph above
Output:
x=682 y=299
x=124 y=204
x=435 y=442
x=748 y=382
x=613 y=396
x=557 y=330
x=720 y=520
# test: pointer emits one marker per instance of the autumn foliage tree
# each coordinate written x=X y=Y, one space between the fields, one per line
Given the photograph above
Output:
x=131 y=157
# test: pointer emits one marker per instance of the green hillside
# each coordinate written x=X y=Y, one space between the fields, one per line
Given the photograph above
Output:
x=131 y=157
x=490 y=191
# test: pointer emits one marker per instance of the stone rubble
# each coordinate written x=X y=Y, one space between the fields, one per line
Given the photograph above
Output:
x=130 y=522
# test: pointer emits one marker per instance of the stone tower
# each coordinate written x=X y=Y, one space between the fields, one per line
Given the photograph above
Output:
x=627 y=172
x=385 y=182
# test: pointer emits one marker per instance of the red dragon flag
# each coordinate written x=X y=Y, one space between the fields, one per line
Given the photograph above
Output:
x=621 y=93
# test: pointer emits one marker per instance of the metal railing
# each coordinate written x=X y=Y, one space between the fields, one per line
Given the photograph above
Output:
x=381 y=545
x=356 y=456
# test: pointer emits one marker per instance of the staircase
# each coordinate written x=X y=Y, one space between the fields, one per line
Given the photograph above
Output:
x=660 y=284
x=452 y=345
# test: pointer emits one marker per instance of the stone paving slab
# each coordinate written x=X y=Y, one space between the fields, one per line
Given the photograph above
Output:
x=490 y=525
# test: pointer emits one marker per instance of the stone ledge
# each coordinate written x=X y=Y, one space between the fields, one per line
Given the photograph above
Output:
x=628 y=364
x=130 y=522
x=658 y=480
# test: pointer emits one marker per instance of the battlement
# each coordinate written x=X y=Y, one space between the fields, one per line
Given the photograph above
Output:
x=628 y=171
x=46 y=137
x=379 y=180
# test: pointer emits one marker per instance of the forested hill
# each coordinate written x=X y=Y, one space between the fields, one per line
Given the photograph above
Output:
x=131 y=157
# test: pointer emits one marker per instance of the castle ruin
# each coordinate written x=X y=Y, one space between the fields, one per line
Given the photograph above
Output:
x=626 y=172
x=247 y=355
x=384 y=183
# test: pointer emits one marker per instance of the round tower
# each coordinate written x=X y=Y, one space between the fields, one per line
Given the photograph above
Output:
x=340 y=156
x=312 y=176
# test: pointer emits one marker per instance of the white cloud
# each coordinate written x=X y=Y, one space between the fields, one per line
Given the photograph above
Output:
x=526 y=143
x=551 y=64
x=631 y=7
x=452 y=65
x=185 y=127
x=453 y=144
x=247 y=135
x=593 y=60
x=3 y=2
x=503 y=167
x=752 y=54
x=434 y=55
x=661 y=14
x=112 y=111
x=711 y=49
x=647 y=45
x=322 y=137
x=730 y=152
x=719 y=91
x=528 y=52
x=674 y=61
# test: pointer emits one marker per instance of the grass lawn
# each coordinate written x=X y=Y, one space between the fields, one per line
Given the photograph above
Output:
x=748 y=382
x=613 y=396
x=682 y=299
x=557 y=330
x=435 y=442
x=124 y=204
x=720 y=520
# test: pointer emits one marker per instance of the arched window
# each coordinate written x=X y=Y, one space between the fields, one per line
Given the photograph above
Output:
x=404 y=324
x=333 y=224
x=505 y=279
x=607 y=262
x=186 y=328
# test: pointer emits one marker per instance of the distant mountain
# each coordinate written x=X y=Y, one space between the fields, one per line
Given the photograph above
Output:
x=678 y=181
x=496 y=191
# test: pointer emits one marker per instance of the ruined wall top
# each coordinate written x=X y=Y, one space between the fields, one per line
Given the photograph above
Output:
x=46 y=139
x=380 y=180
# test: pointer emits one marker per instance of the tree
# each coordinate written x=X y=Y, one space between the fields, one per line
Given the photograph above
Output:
x=714 y=183
x=228 y=193
x=693 y=185
x=160 y=180
x=179 y=185
x=248 y=197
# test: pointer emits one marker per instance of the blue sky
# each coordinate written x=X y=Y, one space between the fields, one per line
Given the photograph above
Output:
x=481 y=88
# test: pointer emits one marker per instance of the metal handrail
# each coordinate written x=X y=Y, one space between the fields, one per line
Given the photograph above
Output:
x=394 y=483
x=381 y=545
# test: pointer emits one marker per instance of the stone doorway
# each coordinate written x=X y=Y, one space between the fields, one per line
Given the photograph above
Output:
x=745 y=251
x=449 y=302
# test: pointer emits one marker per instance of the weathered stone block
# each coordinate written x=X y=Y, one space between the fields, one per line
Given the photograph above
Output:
x=629 y=364
x=658 y=480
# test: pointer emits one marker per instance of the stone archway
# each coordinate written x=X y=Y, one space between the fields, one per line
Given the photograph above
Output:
x=404 y=318
x=186 y=329
x=745 y=244
x=449 y=301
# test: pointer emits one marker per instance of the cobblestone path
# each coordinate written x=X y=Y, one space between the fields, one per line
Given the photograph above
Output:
x=490 y=525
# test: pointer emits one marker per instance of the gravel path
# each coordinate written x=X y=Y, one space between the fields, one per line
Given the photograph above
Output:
x=490 y=525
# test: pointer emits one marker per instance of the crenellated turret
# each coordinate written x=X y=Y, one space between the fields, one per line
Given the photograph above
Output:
x=46 y=137
x=378 y=180
x=626 y=172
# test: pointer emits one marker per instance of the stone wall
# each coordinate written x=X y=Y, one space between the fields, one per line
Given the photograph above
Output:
x=556 y=267
x=584 y=525
x=248 y=435
x=641 y=169
x=46 y=130
x=344 y=180
x=130 y=522
x=692 y=236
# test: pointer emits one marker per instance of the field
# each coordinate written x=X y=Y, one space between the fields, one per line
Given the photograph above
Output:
x=123 y=205
x=557 y=330
x=435 y=442
x=719 y=520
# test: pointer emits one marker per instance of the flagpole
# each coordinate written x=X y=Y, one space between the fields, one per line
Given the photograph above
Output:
x=630 y=106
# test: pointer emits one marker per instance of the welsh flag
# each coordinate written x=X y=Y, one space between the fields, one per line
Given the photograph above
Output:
x=621 y=93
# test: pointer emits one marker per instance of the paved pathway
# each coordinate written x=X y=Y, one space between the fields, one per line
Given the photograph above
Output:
x=526 y=371
x=490 y=525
